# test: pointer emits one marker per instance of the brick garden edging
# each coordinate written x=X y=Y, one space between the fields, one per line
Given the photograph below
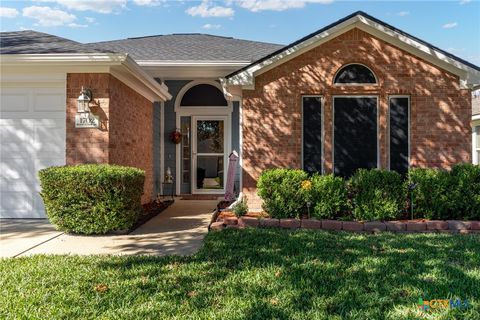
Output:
x=450 y=226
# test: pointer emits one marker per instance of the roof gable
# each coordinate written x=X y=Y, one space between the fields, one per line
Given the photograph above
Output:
x=467 y=72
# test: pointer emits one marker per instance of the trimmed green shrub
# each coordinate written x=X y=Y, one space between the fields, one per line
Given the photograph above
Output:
x=432 y=196
x=373 y=194
x=282 y=193
x=377 y=194
x=92 y=198
x=329 y=196
x=466 y=198
x=442 y=194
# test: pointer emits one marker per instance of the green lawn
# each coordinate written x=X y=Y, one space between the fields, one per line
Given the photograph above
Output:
x=254 y=274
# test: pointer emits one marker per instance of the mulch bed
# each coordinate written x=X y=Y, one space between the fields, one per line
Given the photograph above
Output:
x=150 y=210
x=255 y=214
x=223 y=204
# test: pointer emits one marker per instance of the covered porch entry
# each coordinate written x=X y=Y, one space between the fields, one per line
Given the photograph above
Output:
x=207 y=130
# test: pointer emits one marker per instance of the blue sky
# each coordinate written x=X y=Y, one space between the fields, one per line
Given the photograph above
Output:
x=451 y=25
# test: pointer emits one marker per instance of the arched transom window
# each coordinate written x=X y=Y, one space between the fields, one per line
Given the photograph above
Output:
x=203 y=95
x=355 y=74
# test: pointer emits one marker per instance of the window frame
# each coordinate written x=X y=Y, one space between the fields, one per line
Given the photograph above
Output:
x=377 y=97
x=322 y=109
x=200 y=110
x=211 y=87
x=409 y=126
x=355 y=83
x=475 y=148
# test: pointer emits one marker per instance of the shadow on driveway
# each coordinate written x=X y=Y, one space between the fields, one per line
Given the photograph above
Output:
x=19 y=235
x=179 y=230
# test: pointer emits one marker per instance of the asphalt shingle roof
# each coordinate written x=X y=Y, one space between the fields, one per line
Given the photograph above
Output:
x=33 y=42
x=193 y=46
x=178 y=47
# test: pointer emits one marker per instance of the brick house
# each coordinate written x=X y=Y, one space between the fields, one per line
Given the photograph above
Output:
x=358 y=93
x=476 y=126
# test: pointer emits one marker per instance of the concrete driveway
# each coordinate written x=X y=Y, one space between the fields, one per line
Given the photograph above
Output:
x=20 y=235
x=179 y=230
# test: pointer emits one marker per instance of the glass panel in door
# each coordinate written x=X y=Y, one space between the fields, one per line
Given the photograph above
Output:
x=210 y=153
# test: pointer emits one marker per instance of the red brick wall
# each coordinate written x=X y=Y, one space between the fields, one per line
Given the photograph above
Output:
x=87 y=145
x=125 y=136
x=440 y=110
x=131 y=132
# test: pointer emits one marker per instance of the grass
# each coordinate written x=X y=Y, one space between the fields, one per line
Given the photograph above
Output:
x=254 y=274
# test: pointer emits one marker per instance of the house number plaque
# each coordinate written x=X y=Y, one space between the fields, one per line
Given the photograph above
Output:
x=86 y=120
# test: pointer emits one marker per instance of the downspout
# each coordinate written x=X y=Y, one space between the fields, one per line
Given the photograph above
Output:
x=228 y=95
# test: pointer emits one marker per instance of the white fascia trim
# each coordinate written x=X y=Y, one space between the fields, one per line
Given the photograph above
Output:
x=191 y=63
x=160 y=89
x=247 y=77
x=89 y=61
x=476 y=117
x=64 y=58
x=469 y=76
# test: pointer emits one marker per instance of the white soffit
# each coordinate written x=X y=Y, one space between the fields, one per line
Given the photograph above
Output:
x=119 y=65
x=183 y=69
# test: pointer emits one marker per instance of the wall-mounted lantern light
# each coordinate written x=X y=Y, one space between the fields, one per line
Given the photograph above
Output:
x=83 y=118
x=84 y=100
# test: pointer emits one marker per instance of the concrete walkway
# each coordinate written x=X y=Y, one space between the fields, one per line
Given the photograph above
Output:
x=179 y=230
x=20 y=235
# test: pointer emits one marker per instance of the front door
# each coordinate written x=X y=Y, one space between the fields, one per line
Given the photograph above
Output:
x=209 y=154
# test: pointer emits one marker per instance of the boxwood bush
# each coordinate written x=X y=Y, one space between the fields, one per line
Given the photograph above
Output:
x=432 y=193
x=377 y=194
x=282 y=192
x=466 y=198
x=442 y=194
x=329 y=196
x=92 y=198
x=373 y=194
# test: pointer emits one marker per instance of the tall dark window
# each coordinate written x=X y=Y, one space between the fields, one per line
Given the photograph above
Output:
x=355 y=74
x=203 y=95
x=354 y=134
x=312 y=134
x=399 y=149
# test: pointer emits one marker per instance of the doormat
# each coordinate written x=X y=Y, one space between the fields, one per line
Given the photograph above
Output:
x=201 y=196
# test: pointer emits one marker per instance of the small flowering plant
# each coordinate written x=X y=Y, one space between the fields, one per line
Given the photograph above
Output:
x=306 y=185
x=176 y=136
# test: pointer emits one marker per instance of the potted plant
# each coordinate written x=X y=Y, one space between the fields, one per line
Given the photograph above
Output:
x=176 y=136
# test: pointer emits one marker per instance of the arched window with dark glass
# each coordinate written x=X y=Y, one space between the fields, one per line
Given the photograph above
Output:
x=355 y=74
x=203 y=95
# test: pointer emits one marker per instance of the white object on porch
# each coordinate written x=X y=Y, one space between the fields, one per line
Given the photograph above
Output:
x=232 y=167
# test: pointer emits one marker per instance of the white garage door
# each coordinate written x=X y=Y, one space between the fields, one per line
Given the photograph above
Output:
x=32 y=137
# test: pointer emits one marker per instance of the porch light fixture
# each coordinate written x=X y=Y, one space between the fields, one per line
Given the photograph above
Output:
x=84 y=101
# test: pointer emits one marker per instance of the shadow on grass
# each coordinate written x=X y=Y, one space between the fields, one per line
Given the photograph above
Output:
x=264 y=274
x=325 y=274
